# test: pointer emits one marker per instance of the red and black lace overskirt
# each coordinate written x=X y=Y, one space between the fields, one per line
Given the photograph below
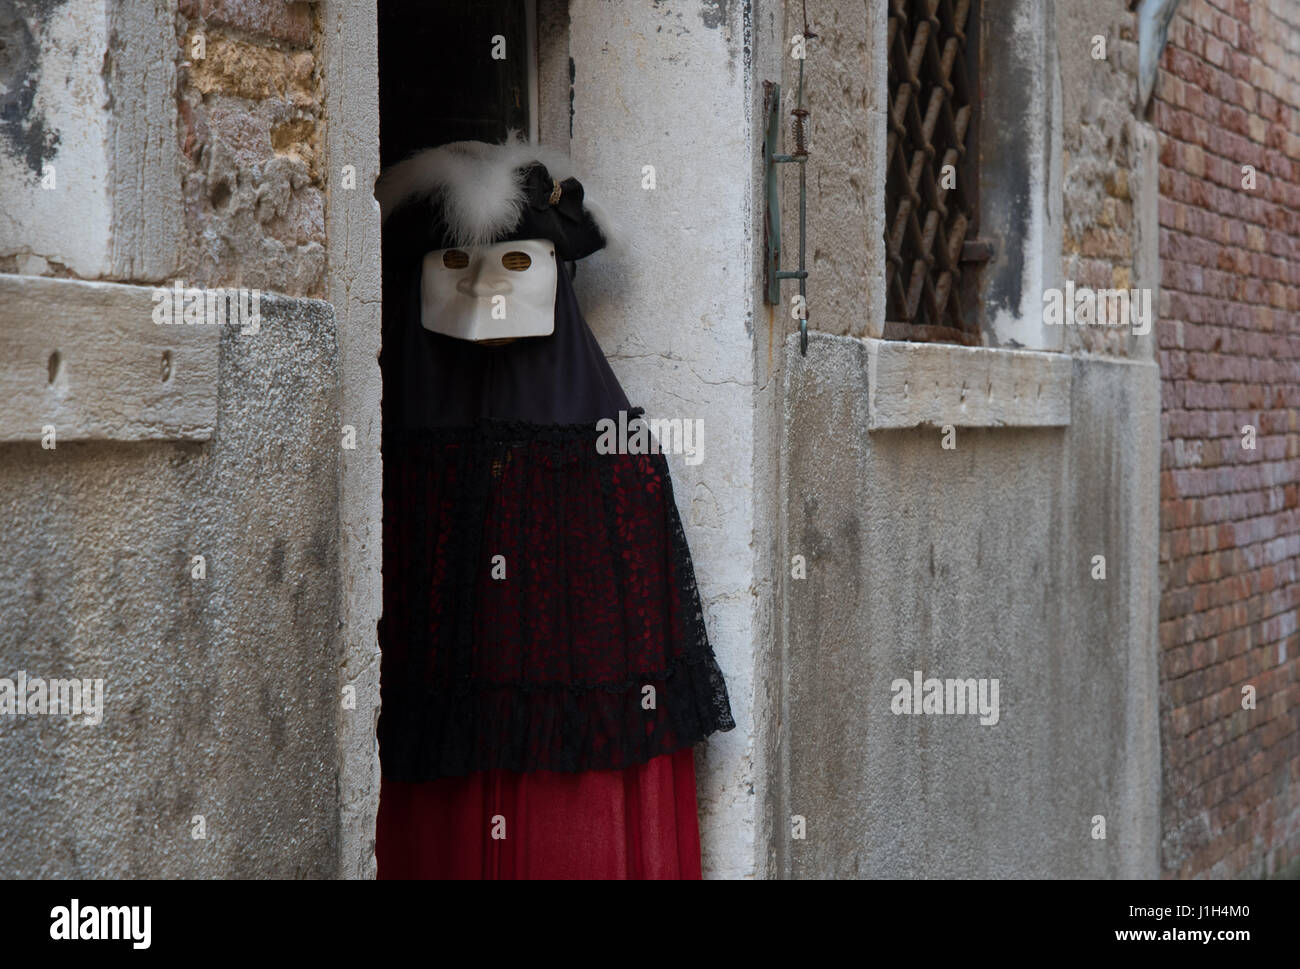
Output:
x=540 y=603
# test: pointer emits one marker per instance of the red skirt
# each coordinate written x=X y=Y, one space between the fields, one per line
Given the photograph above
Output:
x=638 y=822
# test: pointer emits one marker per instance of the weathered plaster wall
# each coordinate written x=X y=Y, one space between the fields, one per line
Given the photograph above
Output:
x=221 y=698
x=88 y=166
x=157 y=138
x=973 y=562
x=673 y=311
x=50 y=127
x=1020 y=132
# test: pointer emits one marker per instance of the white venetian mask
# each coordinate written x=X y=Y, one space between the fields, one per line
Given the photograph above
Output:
x=501 y=291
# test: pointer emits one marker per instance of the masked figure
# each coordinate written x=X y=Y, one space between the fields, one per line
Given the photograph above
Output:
x=546 y=669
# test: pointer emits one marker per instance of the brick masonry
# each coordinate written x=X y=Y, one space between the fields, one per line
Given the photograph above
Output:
x=1099 y=162
x=251 y=136
x=1228 y=96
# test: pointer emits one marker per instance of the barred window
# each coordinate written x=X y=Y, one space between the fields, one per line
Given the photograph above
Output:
x=931 y=200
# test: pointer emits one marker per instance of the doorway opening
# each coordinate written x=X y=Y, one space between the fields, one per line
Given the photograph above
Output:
x=454 y=70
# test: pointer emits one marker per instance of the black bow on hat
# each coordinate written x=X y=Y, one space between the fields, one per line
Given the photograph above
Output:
x=554 y=210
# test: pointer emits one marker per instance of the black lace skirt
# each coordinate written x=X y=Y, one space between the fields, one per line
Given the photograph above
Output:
x=540 y=604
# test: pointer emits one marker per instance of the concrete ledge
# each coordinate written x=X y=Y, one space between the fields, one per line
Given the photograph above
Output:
x=911 y=384
x=117 y=375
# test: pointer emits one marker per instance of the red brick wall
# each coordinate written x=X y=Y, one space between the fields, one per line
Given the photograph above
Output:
x=1229 y=352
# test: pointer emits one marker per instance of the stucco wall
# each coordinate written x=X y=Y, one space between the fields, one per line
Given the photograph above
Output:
x=88 y=162
x=971 y=562
x=673 y=311
x=221 y=696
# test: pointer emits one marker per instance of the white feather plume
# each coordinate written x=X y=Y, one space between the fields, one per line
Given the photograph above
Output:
x=480 y=186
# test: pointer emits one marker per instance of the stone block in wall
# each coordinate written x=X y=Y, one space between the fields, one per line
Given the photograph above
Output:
x=282 y=20
x=252 y=71
x=252 y=140
x=88 y=360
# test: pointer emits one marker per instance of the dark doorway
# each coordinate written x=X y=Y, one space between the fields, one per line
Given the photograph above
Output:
x=440 y=82
x=438 y=78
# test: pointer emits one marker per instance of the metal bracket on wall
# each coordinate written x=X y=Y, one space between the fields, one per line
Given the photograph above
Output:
x=772 y=224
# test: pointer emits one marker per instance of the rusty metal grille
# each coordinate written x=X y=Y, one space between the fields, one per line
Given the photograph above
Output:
x=933 y=59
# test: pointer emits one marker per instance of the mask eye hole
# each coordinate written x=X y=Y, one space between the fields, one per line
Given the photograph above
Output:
x=455 y=259
x=516 y=261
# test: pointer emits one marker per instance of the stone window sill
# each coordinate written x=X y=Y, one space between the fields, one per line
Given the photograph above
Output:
x=916 y=384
